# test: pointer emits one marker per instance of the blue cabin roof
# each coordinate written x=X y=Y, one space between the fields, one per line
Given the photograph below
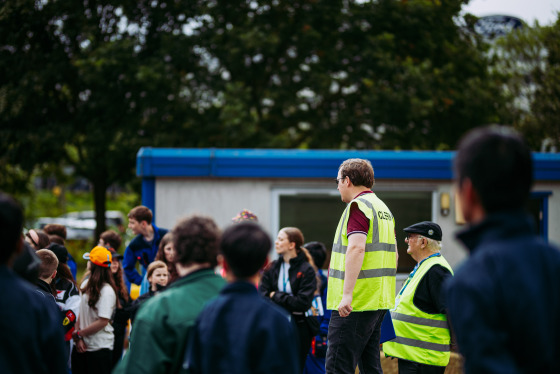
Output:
x=296 y=163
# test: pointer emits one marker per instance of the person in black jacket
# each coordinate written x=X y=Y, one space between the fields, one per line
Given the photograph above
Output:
x=241 y=332
x=291 y=282
x=33 y=341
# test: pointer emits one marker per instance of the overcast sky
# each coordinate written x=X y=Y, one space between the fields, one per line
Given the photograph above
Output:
x=545 y=11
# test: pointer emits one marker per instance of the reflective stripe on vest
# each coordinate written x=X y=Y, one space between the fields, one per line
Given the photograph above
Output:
x=375 y=285
x=411 y=323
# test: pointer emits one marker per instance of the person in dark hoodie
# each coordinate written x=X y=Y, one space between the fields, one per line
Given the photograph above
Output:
x=290 y=282
x=240 y=326
x=33 y=341
x=503 y=303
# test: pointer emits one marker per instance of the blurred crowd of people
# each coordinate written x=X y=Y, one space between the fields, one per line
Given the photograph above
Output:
x=211 y=301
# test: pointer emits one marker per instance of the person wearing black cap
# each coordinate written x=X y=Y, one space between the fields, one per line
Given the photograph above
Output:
x=422 y=344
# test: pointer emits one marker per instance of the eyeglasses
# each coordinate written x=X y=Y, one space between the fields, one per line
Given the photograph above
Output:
x=412 y=236
x=337 y=180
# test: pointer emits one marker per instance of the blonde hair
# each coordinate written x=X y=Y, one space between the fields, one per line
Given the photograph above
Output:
x=155 y=265
x=49 y=263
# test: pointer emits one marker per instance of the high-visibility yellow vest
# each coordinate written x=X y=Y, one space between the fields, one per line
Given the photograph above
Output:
x=421 y=337
x=375 y=286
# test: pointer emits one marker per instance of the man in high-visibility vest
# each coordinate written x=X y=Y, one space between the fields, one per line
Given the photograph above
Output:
x=361 y=273
x=419 y=318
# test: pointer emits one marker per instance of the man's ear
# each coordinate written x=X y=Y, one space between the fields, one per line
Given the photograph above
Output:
x=53 y=274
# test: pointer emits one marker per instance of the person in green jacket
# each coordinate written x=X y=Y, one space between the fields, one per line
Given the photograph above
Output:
x=159 y=337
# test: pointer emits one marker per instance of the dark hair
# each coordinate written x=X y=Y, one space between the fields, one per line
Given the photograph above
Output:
x=56 y=239
x=196 y=240
x=98 y=276
x=359 y=171
x=11 y=225
x=318 y=251
x=55 y=229
x=120 y=285
x=63 y=272
x=43 y=241
x=498 y=163
x=112 y=238
x=294 y=236
x=160 y=256
x=245 y=247
x=141 y=213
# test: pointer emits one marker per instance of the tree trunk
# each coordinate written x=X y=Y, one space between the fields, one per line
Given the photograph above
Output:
x=99 y=201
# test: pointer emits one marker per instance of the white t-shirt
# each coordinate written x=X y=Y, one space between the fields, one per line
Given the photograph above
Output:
x=105 y=306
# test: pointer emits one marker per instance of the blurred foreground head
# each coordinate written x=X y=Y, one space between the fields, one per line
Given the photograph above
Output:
x=11 y=225
x=196 y=240
x=497 y=163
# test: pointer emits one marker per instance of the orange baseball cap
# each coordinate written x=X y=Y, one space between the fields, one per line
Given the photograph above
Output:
x=100 y=256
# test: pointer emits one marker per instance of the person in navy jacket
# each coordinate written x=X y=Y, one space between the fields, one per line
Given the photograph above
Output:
x=240 y=331
x=504 y=302
x=143 y=248
x=31 y=329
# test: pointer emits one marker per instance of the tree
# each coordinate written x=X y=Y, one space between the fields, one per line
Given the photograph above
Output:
x=79 y=89
x=529 y=62
x=89 y=83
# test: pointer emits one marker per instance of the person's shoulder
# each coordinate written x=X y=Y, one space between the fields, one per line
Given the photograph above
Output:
x=161 y=231
x=107 y=288
x=135 y=243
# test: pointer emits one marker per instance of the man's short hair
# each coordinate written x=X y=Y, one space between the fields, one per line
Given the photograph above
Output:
x=11 y=225
x=49 y=263
x=359 y=171
x=498 y=162
x=318 y=251
x=112 y=238
x=55 y=229
x=196 y=240
x=141 y=213
x=245 y=247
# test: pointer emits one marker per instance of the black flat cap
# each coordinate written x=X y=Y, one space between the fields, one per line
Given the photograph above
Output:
x=428 y=229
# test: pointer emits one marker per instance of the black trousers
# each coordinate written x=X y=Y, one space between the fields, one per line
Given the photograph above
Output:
x=410 y=367
x=96 y=362
x=304 y=339
x=354 y=341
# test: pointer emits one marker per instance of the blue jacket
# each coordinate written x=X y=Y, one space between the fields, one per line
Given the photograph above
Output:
x=241 y=332
x=32 y=336
x=504 y=302
x=138 y=250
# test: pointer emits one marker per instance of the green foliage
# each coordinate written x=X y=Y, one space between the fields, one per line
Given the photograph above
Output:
x=87 y=83
x=529 y=62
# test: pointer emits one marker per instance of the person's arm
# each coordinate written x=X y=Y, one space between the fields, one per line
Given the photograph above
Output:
x=95 y=326
x=151 y=348
x=353 y=263
x=129 y=266
x=301 y=299
x=266 y=286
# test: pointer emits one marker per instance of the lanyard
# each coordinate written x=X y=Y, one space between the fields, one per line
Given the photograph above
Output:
x=285 y=276
x=414 y=271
